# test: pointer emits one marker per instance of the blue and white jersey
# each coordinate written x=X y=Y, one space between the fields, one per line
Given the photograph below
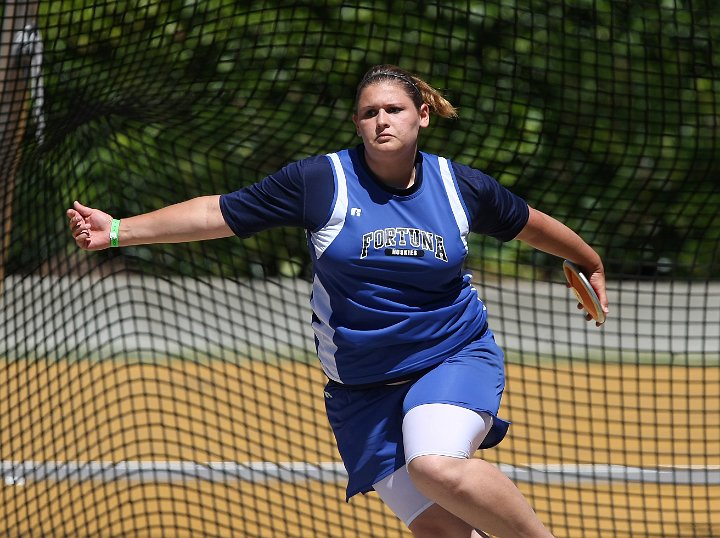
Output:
x=390 y=296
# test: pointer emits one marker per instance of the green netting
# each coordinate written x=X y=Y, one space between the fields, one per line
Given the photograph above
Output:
x=172 y=390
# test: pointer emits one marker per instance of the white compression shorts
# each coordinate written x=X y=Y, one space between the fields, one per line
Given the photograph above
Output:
x=431 y=429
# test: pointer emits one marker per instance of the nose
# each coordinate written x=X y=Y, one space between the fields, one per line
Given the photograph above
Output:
x=381 y=120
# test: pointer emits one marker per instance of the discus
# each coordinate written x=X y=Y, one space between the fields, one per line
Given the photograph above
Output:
x=583 y=291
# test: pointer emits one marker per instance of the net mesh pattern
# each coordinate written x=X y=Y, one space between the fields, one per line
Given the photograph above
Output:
x=173 y=390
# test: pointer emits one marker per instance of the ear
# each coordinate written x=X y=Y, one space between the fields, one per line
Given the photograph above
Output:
x=424 y=113
x=355 y=121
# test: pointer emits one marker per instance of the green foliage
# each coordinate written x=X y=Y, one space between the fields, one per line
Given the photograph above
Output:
x=602 y=113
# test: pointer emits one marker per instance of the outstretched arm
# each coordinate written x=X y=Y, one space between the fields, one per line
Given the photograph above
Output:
x=193 y=220
x=549 y=235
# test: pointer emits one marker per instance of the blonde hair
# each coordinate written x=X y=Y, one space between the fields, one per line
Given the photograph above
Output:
x=417 y=89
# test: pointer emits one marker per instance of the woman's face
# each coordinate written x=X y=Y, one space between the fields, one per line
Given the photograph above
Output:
x=387 y=119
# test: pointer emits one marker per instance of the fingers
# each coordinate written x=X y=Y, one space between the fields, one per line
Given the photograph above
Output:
x=588 y=316
x=81 y=232
x=83 y=210
x=602 y=295
x=76 y=218
x=597 y=280
x=77 y=223
x=79 y=227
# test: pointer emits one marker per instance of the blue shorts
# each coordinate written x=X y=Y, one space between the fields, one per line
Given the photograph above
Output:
x=367 y=422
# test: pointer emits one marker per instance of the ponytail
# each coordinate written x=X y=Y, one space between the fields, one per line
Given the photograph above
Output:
x=434 y=99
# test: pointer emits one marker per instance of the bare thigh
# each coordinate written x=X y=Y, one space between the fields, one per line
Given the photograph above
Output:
x=436 y=522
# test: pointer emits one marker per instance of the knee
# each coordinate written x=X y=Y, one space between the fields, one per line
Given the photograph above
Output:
x=436 y=522
x=428 y=528
x=432 y=473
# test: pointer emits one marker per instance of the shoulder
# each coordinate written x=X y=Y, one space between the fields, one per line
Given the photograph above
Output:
x=476 y=184
x=299 y=194
x=313 y=179
x=313 y=169
x=493 y=209
x=470 y=178
x=467 y=177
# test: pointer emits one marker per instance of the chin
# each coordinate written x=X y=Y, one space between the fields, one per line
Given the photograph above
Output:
x=390 y=145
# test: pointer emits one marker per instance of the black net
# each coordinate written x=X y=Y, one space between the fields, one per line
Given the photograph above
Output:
x=173 y=390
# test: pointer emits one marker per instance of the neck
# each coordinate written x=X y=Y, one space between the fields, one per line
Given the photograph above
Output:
x=396 y=171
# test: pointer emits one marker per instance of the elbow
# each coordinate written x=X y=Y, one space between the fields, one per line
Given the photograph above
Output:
x=533 y=228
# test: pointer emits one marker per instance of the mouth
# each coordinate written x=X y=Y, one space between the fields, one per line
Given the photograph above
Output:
x=383 y=137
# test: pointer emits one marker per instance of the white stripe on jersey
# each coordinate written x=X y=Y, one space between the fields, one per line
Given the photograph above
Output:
x=452 y=193
x=323 y=237
x=320 y=303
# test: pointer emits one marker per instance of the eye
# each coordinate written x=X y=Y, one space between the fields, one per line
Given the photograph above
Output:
x=394 y=110
x=370 y=113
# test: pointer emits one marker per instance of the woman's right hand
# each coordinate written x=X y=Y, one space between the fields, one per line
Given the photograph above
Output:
x=90 y=227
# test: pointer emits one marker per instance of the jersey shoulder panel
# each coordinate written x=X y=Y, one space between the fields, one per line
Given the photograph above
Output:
x=299 y=195
x=493 y=209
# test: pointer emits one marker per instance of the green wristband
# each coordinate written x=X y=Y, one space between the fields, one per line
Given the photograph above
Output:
x=115 y=233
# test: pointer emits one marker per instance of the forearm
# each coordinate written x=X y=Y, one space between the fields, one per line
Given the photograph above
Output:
x=549 y=235
x=193 y=220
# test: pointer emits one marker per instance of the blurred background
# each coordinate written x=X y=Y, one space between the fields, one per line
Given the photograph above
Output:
x=173 y=391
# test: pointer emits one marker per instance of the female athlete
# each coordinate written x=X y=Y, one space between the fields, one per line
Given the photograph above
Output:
x=414 y=374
